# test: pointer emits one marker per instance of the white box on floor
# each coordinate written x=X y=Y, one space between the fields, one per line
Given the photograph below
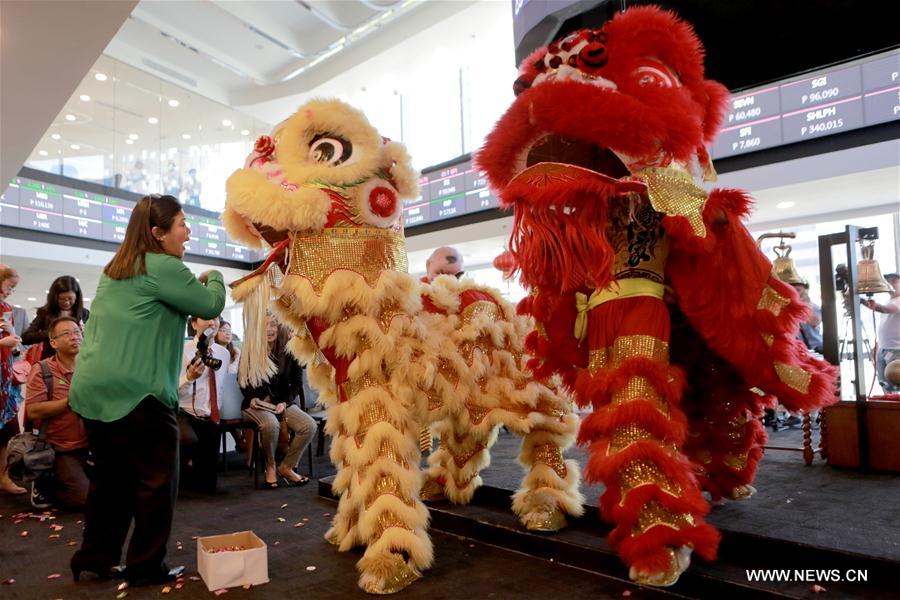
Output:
x=231 y=568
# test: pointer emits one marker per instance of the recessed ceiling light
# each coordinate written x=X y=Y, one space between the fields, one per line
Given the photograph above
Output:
x=100 y=76
x=132 y=136
x=42 y=152
x=86 y=299
x=785 y=204
x=245 y=132
x=174 y=103
x=152 y=120
x=186 y=136
x=226 y=123
x=32 y=299
x=75 y=147
x=85 y=98
x=129 y=141
x=55 y=136
x=46 y=291
x=70 y=117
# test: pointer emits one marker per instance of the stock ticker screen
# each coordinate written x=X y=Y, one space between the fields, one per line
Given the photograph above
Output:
x=58 y=209
x=448 y=192
x=824 y=102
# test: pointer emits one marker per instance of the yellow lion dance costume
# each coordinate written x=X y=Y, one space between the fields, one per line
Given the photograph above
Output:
x=388 y=354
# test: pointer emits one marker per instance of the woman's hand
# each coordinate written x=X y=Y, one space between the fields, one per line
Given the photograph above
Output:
x=279 y=408
x=10 y=341
x=7 y=327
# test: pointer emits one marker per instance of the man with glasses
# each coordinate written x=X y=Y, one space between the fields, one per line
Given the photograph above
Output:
x=446 y=260
x=65 y=430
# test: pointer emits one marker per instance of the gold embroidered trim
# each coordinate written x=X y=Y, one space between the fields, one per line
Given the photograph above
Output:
x=387 y=315
x=653 y=513
x=736 y=461
x=642 y=472
x=367 y=251
x=389 y=451
x=673 y=192
x=355 y=386
x=386 y=484
x=476 y=309
x=631 y=346
x=597 y=359
x=550 y=455
x=477 y=413
x=623 y=437
x=793 y=377
x=386 y=520
x=772 y=301
x=768 y=338
x=461 y=459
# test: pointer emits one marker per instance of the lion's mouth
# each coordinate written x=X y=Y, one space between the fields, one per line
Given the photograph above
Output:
x=555 y=149
x=265 y=232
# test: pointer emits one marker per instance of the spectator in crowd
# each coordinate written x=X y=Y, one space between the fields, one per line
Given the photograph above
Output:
x=126 y=390
x=888 y=332
x=277 y=400
x=136 y=179
x=172 y=181
x=225 y=338
x=10 y=395
x=446 y=260
x=199 y=390
x=65 y=429
x=64 y=299
x=810 y=334
x=192 y=189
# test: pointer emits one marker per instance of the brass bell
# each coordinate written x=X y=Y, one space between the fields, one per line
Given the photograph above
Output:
x=783 y=267
x=869 y=273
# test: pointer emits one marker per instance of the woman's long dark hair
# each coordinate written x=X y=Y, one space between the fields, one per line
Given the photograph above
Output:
x=60 y=285
x=131 y=257
x=232 y=350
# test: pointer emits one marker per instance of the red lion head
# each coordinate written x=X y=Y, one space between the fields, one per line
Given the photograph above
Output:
x=592 y=110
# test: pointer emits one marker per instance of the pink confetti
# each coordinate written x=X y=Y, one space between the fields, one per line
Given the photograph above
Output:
x=23 y=534
x=276 y=543
x=52 y=536
x=9 y=581
x=626 y=593
x=18 y=521
x=299 y=524
x=326 y=514
x=122 y=586
x=311 y=568
x=57 y=527
x=193 y=537
x=305 y=519
x=221 y=591
x=72 y=543
x=281 y=519
x=79 y=522
x=284 y=505
x=817 y=589
x=194 y=578
x=178 y=586
x=54 y=576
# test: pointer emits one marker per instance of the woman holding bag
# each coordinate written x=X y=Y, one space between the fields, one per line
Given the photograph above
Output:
x=10 y=395
x=126 y=390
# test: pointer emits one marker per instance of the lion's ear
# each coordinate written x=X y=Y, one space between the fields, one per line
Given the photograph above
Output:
x=714 y=111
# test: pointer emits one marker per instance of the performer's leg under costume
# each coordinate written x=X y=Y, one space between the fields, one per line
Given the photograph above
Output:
x=636 y=433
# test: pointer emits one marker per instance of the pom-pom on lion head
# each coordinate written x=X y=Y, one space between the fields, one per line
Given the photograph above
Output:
x=325 y=166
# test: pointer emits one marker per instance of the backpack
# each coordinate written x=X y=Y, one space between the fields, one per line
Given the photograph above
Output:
x=29 y=455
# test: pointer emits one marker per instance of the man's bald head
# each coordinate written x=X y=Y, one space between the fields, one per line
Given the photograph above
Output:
x=444 y=261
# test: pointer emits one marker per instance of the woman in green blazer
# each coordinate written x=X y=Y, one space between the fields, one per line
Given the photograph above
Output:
x=126 y=390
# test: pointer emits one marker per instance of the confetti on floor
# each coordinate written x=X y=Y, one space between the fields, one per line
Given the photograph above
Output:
x=23 y=534
x=301 y=524
x=54 y=576
x=221 y=591
x=121 y=595
x=247 y=586
x=817 y=589
x=9 y=581
x=311 y=568
x=194 y=578
x=626 y=593
x=276 y=543
x=52 y=536
x=167 y=589
x=72 y=543
x=284 y=505
x=179 y=585
x=122 y=586
x=281 y=519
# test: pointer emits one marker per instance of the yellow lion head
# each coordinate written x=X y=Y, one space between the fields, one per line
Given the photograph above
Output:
x=323 y=167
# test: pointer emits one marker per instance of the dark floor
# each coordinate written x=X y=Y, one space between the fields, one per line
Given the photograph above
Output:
x=817 y=505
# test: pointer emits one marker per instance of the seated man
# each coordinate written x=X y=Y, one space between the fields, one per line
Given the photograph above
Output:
x=199 y=390
x=65 y=429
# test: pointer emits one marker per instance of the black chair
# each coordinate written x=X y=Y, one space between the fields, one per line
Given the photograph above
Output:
x=255 y=456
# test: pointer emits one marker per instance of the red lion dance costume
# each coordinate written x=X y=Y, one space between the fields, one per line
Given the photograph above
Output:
x=651 y=299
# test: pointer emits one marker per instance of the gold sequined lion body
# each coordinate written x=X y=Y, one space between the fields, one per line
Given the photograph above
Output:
x=388 y=354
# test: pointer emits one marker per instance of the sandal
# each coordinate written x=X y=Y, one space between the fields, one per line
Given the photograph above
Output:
x=298 y=483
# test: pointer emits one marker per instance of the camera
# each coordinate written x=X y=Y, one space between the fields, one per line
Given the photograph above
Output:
x=203 y=354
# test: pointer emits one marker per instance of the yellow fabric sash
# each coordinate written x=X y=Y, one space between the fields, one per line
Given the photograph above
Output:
x=626 y=288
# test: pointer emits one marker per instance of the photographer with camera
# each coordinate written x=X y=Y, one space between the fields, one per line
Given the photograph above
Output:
x=200 y=386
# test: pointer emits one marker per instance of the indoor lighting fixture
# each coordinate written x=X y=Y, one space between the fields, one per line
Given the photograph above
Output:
x=129 y=141
x=70 y=117
x=152 y=120
x=186 y=136
x=32 y=299
x=100 y=76
x=132 y=136
x=785 y=204
x=226 y=123
x=85 y=98
x=55 y=136
x=75 y=147
x=42 y=152
x=245 y=132
x=174 y=103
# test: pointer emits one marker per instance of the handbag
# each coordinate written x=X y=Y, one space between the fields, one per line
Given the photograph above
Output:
x=21 y=368
x=30 y=455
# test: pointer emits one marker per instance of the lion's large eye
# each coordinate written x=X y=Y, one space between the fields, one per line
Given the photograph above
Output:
x=655 y=73
x=330 y=149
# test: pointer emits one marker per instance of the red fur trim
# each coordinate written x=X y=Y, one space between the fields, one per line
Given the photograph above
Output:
x=647 y=552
